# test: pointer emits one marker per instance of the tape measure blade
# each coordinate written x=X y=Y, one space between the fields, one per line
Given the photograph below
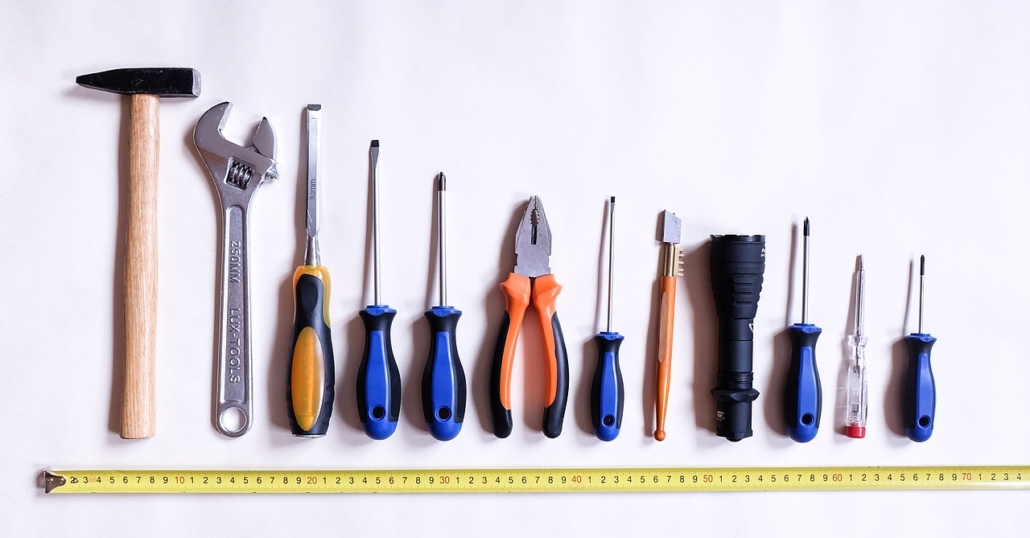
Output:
x=557 y=480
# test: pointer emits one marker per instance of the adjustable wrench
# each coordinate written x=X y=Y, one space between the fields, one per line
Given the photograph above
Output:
x=237 y=172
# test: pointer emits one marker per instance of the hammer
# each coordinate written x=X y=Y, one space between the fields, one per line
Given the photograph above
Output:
x=143 y=86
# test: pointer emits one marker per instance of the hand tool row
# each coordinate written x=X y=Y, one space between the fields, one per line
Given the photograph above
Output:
x=737 y=265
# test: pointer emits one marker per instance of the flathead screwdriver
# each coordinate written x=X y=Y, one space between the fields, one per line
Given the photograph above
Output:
x=920 y=395
x=443 y=381
x=802 y=397
x=607 y=396
x=379 y=380
x=311 y=374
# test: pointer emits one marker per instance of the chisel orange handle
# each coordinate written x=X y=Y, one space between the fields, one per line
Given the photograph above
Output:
x=545 y=294
x=517 y=289
x=666 y=316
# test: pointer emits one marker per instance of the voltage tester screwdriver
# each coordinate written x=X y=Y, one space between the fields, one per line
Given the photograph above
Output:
x=311 y=374
x=920 y=396
x=857 y=405
x=802 y=398
x=607 y=395
x=379 y=380
x=443 y=381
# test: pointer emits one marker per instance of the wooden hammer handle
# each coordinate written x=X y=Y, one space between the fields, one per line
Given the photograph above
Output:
x=139 y=415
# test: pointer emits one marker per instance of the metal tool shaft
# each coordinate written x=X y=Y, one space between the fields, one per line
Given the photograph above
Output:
x=374 y=155
x=922 y=275
x=804 y=278
x=441 y=215
x=314 y=125
x=611 y=257
x=860 y=299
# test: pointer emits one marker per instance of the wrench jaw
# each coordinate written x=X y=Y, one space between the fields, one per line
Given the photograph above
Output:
x=236 y=170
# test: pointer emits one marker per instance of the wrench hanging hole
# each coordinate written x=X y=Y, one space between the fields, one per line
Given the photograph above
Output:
x=233 y=421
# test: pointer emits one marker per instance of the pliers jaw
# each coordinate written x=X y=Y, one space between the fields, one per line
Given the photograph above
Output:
x=533 y=241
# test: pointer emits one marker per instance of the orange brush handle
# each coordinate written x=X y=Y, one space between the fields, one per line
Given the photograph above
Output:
x=667 y=313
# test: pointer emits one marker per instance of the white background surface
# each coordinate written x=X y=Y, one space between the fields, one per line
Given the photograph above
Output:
x=899 y=129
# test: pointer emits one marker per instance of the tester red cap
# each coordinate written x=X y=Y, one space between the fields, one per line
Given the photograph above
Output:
x=855 y=432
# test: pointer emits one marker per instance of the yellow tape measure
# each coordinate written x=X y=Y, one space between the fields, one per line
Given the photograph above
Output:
x=541 y=480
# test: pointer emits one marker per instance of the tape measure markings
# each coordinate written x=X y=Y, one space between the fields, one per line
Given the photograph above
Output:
x=557 y=480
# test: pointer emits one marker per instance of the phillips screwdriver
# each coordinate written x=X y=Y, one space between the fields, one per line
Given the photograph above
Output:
x=802 y=398
x=672 y=267
x=379 y=380
x=857 y=406
x=311 y=374
x=920 y=396
x=443 y=381
x=606 y=394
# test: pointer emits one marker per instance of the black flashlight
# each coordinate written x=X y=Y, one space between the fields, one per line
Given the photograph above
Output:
x=737 y=263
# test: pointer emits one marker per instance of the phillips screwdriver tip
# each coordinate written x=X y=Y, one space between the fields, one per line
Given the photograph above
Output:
x=806 y=225
x=441 y=184
x=861 y=263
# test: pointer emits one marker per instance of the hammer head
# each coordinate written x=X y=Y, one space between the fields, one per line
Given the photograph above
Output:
x=160 y=81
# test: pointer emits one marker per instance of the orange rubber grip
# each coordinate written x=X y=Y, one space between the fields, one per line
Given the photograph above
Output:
x=516 y=297
x=666 y=316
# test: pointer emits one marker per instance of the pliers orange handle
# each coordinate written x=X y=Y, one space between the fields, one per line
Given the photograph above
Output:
x=519 y=292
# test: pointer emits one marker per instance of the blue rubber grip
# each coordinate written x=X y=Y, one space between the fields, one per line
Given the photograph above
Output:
x=920 y=396
x=379 y=380
x=802 y=397
x=607 y=395
x=443 y=381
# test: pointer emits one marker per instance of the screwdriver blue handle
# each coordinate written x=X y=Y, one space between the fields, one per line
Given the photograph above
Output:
x=607 y=395
x=379 y=380
x=802 y=397
x=920 y=396
x=443 y=381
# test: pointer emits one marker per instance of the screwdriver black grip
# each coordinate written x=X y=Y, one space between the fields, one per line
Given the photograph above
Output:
x=379 y=380
x=443 y=381
x=802 y=396
x=311 y=374
x=607 y=394
x=920 y=394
